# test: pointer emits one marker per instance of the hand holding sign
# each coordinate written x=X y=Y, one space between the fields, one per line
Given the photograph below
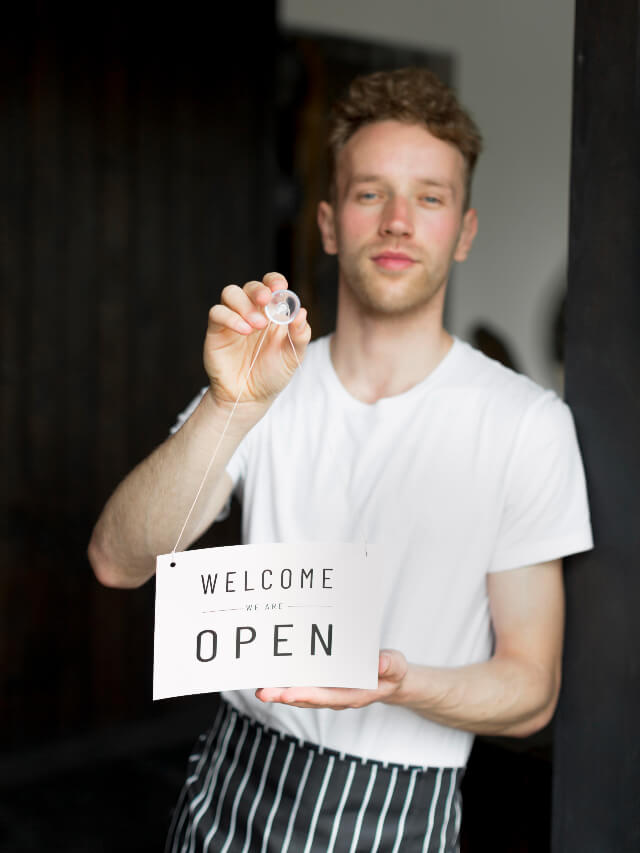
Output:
x=247 y=615
x=392 y=669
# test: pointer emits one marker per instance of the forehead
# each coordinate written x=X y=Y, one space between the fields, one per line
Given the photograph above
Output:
x=393 y=150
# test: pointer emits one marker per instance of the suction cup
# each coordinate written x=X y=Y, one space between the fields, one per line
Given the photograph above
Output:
x=283 y=307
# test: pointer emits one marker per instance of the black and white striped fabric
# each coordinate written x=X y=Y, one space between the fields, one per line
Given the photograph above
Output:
x=251 y=789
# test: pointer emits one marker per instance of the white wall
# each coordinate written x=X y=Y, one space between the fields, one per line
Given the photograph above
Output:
x=513 y=72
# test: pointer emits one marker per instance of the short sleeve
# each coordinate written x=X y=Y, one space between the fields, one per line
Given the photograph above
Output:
x=545 y=513
x=185 y=414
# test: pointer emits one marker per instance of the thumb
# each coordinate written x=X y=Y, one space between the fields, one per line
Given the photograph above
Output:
x=390 y=664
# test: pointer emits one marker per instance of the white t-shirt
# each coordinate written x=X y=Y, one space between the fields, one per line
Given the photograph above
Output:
x=474 y=470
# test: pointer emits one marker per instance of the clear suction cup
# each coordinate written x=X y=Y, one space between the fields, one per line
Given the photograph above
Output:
x=283 y=307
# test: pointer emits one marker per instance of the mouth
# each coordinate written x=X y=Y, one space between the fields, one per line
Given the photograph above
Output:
x=393 y=260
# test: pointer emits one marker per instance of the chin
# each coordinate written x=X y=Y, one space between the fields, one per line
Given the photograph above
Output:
x=390 y=301
x=390 y=294
x=392 y=307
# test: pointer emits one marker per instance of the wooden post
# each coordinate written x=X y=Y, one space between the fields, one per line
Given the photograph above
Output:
x=596 y=796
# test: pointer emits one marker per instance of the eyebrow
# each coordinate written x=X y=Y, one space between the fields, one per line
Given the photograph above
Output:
x=365 y=179
x=442 y=185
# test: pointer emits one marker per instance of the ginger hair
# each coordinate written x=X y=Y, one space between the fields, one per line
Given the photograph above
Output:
x=411 y=95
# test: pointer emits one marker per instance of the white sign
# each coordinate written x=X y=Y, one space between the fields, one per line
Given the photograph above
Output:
x=251 y=616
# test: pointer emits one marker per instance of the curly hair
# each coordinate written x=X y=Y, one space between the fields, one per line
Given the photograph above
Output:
x=411 y=95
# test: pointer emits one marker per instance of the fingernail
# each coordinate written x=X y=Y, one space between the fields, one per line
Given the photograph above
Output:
x=276 y=276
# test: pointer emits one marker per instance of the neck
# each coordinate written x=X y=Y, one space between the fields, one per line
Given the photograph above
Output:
x=378 y=356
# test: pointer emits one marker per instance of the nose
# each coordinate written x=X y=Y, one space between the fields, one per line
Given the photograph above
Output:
x=397 y=219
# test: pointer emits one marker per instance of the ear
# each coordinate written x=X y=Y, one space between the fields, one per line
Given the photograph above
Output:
x=467 y=235
x=326 y=224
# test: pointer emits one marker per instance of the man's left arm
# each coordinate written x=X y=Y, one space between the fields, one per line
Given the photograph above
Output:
x=513 y=693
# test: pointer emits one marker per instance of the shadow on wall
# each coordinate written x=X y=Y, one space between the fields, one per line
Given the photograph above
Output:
x=494 y=342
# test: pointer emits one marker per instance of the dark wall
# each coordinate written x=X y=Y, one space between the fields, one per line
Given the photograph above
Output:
x=596 y=806
x=137 y=149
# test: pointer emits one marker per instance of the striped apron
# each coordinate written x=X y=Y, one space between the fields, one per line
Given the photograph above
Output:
x=251 y=789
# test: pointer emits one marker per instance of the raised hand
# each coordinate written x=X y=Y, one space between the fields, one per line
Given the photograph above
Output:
x=234 y=332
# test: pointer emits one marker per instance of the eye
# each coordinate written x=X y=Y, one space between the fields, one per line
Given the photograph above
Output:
x=431 y=200
x=368 y=195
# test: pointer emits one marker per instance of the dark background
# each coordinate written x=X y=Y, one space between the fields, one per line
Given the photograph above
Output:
x=138 y=174
x=147 y=162
x=150 y=157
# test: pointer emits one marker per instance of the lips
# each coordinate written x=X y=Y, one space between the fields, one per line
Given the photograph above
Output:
x=393 y=260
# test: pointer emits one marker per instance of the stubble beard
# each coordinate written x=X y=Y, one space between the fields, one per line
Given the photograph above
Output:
x=389 y=294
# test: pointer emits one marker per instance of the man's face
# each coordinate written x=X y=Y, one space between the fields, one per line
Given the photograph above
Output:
x=398 y=221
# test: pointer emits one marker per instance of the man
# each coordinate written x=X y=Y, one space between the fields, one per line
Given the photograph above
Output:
x=398 y=433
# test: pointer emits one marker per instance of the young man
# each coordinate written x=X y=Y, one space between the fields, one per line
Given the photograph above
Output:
x=400 y=434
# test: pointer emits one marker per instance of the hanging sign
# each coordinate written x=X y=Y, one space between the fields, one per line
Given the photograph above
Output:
x=282 y=615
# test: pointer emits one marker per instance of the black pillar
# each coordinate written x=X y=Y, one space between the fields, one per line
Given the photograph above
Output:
x=137 y=149
x=596 y=797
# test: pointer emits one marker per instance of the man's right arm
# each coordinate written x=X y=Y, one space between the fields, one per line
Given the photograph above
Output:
x=145 y=514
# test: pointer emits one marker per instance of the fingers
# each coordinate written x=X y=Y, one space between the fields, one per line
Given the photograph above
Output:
x=221 y=317
x=299 y=336
x=259 y=292
x=246 y=302
x=275 y=281
x=336 y=698
x=320 y=697
x=392 y=670
x=241 y=309
x=300 y=331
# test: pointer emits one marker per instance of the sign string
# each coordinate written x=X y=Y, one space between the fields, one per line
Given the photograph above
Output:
x=281 y=311
x=224 y=431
